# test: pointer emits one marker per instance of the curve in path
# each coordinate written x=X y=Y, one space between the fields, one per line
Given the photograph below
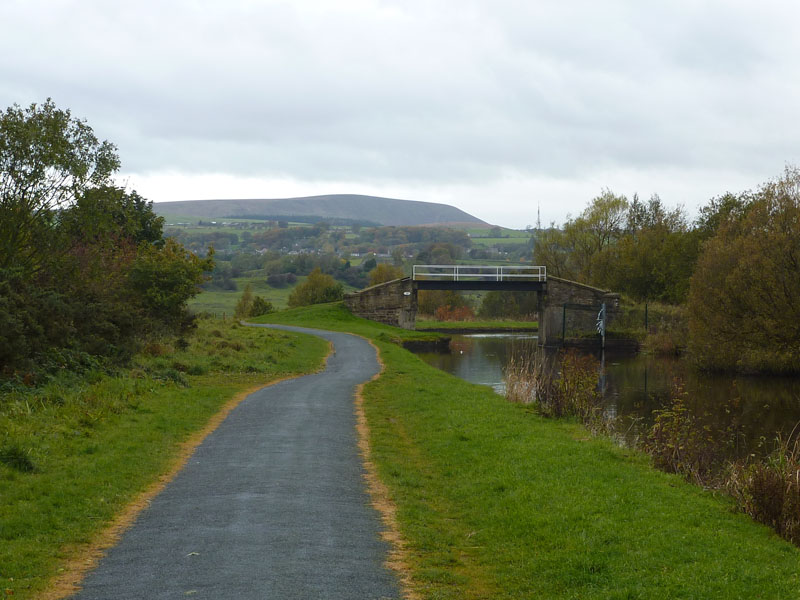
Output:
x=271 y=505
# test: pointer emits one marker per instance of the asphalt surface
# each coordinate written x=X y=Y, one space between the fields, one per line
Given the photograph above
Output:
x=271 y=505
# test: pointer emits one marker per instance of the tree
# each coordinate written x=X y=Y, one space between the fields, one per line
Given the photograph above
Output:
x=164 y=278
x=576 y=251
x=316 y=289
x=245 y=304
x=385 y=272
x=744 y=299
x=250 y=305
x=654 y=258
x=47 y=160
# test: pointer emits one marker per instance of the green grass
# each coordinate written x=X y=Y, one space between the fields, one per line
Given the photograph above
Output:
x=491 y=241
x=84 y=447
x=223 y=302
x=502 y=325
x=497 y=502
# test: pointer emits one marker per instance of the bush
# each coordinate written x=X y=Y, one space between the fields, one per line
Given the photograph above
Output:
x=454 y=313
x=316 y=289
x=260 y=307
x=769 y=489
x=531 y=378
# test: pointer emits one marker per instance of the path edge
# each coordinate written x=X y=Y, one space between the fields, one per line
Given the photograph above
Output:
x=380 y=497
x=81 y=561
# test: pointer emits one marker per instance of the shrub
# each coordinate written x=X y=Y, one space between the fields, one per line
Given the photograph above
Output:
x=260 y=307
x=531 y=378
x=769 y=489
x=695 y=446
x=316 y=289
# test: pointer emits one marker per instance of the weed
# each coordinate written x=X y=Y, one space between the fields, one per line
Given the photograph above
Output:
x=695 y=446
x=18 y=458
x=531 y=378
x=768 y=489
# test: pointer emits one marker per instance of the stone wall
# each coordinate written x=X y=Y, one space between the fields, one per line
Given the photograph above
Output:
x=561 y=292
x=393 y=303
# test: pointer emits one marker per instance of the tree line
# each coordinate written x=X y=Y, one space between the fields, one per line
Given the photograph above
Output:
x=736 y=267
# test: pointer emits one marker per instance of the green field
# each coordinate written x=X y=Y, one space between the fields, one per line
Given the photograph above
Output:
x=492 y=241
x=223 y=302
x=496 y=502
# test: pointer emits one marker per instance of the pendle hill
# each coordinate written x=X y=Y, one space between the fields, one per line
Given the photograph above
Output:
x=343 y=208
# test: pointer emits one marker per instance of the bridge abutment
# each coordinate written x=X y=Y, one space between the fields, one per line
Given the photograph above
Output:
x=392 y=303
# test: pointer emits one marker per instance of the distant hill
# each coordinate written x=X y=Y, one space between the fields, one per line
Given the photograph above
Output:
x=350 y=207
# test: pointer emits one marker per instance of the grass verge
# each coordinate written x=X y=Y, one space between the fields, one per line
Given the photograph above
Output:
x=77 y=451
x=497 y=502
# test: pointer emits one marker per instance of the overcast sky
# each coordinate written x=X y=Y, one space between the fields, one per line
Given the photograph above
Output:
x=495 y=107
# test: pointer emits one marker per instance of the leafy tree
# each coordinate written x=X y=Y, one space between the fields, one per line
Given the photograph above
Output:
x=385 y=272
x=655 y=257
x=744 y=300
x=107 y=210
x=369 y=264
x=164 y=278
x=720 y=210
x=47 y=160
x=244 y=307
x=576 y=251
x=316 y=289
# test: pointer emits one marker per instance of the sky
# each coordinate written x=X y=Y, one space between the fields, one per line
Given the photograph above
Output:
x=502 y=108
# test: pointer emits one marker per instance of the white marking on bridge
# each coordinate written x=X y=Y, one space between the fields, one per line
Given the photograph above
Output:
x=479 y=273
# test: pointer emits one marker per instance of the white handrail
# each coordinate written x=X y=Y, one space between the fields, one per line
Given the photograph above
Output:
x=480 y=272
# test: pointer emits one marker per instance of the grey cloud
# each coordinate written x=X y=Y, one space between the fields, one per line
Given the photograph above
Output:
x=438 y=92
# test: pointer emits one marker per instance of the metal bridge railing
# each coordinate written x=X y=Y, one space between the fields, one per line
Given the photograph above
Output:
x=479 y=273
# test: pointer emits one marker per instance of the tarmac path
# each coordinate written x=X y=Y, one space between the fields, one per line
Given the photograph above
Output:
x=271 y=505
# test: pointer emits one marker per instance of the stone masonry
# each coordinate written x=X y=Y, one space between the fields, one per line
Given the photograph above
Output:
x=393 y=303
x=561 y=292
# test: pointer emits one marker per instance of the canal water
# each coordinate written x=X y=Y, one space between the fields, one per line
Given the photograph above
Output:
x=635 y=386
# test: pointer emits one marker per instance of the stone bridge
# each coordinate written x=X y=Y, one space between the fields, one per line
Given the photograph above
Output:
x=563 y=305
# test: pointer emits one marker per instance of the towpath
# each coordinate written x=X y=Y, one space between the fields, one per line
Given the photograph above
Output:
x=271 y=505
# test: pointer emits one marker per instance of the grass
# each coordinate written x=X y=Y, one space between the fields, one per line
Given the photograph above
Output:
x=493 y=241
x=76 y=451
x=497 y=502
x=223 y=302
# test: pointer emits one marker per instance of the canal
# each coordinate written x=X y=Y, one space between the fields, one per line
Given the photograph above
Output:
x=633 y=387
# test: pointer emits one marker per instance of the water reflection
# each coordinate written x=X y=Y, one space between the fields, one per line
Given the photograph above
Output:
x=636 y=386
